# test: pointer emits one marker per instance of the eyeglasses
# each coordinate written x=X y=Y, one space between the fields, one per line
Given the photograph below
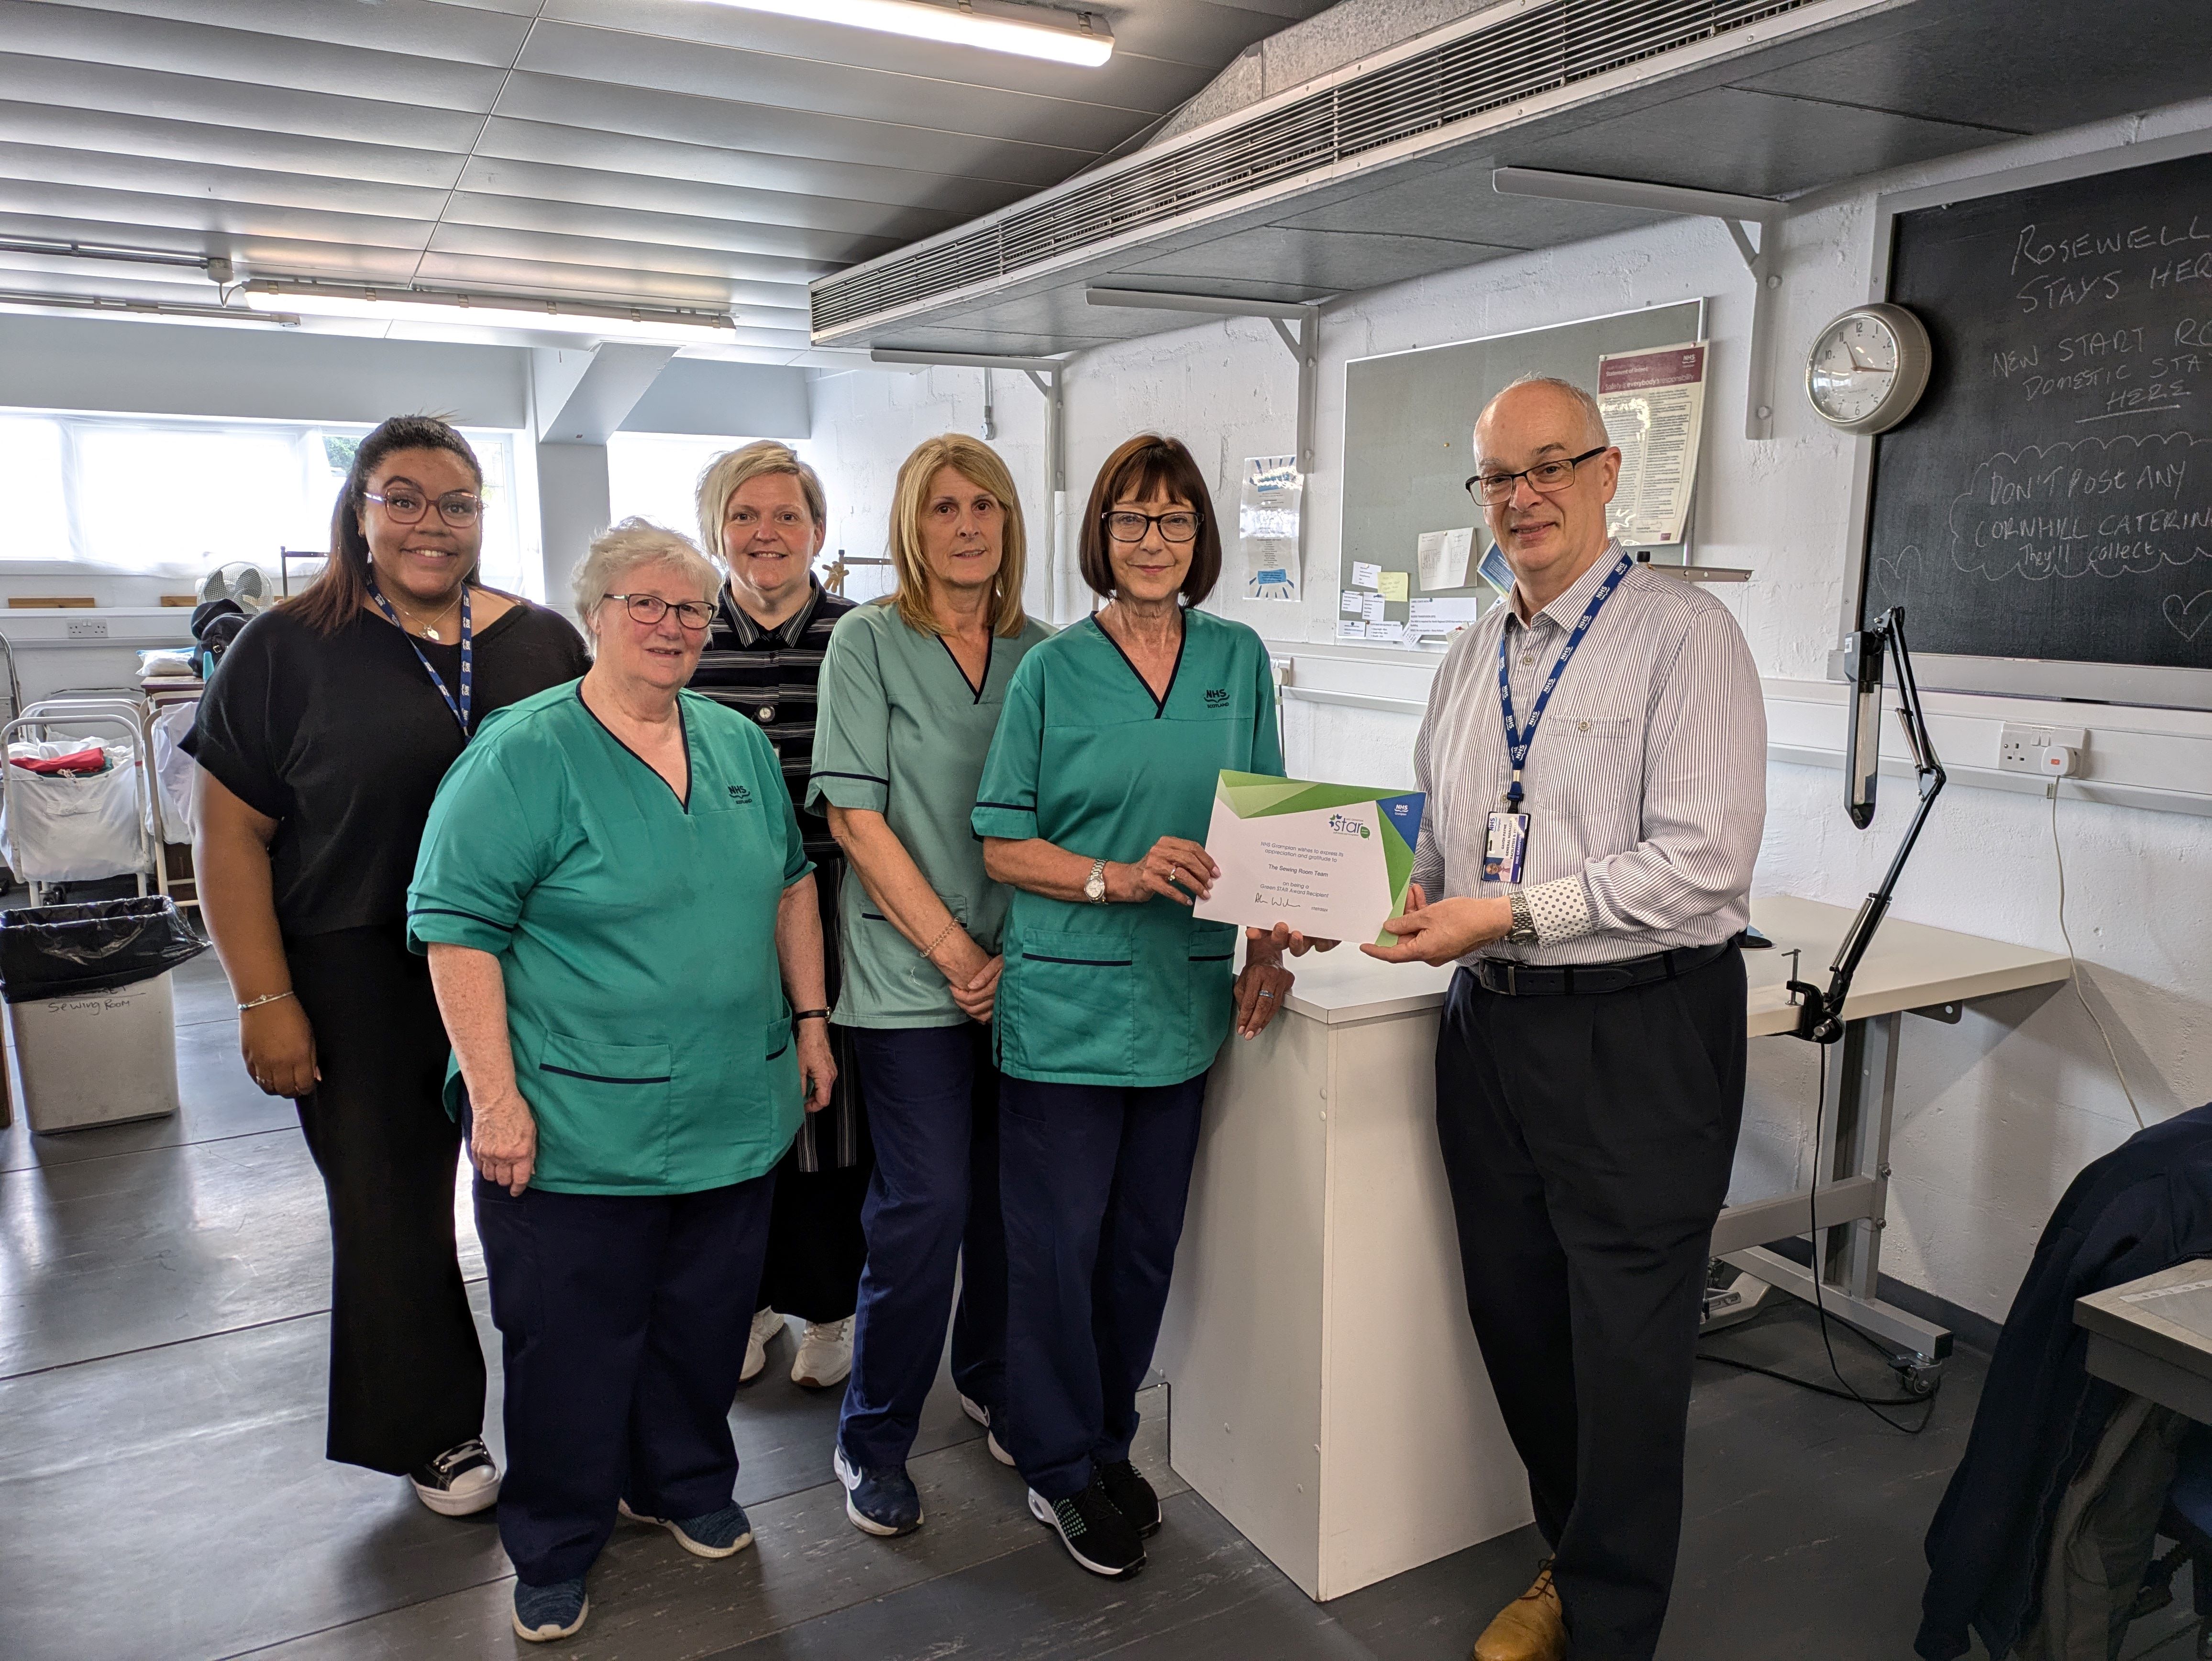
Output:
x=1131 y=527
x=1490 y=488
x=651 y=608
x=403 y=507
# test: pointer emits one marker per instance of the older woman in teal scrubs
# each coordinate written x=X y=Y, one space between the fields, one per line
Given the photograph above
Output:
x=1114 y=999
x=616 y=903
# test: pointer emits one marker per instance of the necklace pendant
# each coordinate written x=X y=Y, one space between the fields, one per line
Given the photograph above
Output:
x=429 y=634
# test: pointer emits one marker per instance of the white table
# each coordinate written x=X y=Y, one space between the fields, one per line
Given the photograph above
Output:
x=2136 y=1342
x=1327 y=1394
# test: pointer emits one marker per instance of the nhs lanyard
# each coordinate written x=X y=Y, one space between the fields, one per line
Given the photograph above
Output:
x=1517 y=739
x=468 y=658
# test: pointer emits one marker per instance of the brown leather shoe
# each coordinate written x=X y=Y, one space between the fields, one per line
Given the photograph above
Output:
x=1530 y=1628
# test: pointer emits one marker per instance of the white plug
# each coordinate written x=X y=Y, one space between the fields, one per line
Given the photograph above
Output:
x=2060 y=761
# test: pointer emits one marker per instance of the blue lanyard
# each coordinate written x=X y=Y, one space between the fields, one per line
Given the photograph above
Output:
x=1517 y=739
x=467 y=657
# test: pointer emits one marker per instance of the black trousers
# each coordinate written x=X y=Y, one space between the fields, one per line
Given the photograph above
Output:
x=407 y=1374
x=623 y=1319
x=1588 y=1142
x=816 y=1246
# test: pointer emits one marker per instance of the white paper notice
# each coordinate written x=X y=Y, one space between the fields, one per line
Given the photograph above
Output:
x=1370 y=609
x=1364 y=575
x=1386 y=631
x=1351 y=602
x=1439 y=616
x=1654 y=406
x=1442 y=558
x=1350 y=629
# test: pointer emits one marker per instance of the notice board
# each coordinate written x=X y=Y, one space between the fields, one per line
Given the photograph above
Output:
x=2051 y=498
x=1408 y=423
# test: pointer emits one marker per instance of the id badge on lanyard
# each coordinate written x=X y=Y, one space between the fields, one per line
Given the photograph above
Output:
x=1505 y=843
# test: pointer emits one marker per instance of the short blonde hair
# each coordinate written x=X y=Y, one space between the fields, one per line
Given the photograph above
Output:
x=980 y=465
x=629 y=546
x=726 y=474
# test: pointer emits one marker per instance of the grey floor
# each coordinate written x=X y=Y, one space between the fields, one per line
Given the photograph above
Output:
x=162 y=1492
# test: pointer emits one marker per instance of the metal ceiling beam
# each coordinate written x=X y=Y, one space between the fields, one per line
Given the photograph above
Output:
x=1225 y=305
x=1044 y=374
x=1736 y=212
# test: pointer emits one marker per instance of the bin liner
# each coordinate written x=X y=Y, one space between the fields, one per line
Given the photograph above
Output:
x=60 y=951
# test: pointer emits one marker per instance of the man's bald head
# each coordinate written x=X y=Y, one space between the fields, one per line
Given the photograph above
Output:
x=1549 y=535
x=1537 y=396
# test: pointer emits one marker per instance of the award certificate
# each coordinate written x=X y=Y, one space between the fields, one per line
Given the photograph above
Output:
x=1332 y=860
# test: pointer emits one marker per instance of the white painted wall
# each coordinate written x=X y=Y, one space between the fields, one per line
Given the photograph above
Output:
x=1995 y=1114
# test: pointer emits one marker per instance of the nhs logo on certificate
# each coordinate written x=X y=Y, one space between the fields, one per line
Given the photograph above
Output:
x=1331 y=860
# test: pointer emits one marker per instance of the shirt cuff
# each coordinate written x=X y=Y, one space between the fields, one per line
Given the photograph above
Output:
x=1005 y=819
x=863 y=792
x=1560 y=909
x=438 y=925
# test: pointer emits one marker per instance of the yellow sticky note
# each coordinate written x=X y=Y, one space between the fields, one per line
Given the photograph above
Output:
x=1393 y=585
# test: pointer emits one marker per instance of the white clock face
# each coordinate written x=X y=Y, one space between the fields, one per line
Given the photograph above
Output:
x=1854 y=365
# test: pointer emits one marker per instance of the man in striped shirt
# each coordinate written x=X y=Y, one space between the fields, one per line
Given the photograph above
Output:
x=1595 y=756
x=762 y=513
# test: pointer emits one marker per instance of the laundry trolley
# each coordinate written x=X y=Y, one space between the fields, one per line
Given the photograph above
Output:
x=56 y=830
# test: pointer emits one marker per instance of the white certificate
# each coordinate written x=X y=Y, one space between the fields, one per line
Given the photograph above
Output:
x=1332 y=860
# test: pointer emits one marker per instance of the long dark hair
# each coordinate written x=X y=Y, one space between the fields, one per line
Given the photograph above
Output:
x=335 y=598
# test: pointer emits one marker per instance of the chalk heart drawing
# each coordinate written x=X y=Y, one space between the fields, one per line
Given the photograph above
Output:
x=2188 y=616
x=1892 y=572
x=2082 y=479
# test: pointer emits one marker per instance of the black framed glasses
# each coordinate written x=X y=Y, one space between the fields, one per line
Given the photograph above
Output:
x=651 y=608
x=459 y=509
x=1492 y=488
x=1122 y=525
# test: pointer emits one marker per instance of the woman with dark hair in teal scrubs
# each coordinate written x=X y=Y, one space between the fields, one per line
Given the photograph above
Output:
x=1114 y=999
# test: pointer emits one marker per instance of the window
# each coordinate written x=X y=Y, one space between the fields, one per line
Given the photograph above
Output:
x=178 y=497
x=655 y=476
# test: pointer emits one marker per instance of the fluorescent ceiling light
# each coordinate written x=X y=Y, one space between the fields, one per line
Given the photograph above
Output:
x=667 y=324
x=1080 y=38
x=10 y=298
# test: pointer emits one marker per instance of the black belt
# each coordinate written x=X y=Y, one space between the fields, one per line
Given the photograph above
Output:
x=1520 y=980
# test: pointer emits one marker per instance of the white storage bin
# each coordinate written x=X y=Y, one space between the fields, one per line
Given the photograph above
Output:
x=92 y=1058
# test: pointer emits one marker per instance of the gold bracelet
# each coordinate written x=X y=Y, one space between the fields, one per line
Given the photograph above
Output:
x=950 y=924
x=271 y=997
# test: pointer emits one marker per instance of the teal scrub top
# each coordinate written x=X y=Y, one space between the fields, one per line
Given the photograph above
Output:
x=636 y=934
x=901 y=731
x=1131 y=994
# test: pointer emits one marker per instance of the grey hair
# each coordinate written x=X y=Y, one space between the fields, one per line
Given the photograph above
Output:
x=1593 y=417
x=634 y=543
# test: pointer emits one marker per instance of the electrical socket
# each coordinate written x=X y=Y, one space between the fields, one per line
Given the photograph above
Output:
x=2051 y=751
x=88 y=628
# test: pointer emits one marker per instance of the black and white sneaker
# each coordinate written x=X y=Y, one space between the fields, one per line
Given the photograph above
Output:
x=1132 y=1496
x=1093 y=1530
x=459 y=1481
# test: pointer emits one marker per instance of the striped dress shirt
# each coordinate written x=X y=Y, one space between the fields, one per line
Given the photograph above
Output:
x=768 y=676
x=1646 y=785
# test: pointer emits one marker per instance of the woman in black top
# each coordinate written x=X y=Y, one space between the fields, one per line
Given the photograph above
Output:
x=320 y=742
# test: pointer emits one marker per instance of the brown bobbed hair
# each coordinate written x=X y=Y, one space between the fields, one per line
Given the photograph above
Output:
x=980 y=465
x=335 y=598
x=1150 y=464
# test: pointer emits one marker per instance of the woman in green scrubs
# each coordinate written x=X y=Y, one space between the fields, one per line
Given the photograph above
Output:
x=911 y=689
x=1114 y=999
x=615 y=901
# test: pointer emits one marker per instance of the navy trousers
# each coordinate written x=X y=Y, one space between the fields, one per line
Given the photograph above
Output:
x=1588 y=1141
x=932 y=1210
x=624 y=1321
x=1094 y=1180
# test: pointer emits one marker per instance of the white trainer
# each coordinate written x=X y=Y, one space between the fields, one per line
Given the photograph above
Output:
x=982 y=1416
x=459 y=1482
x=766 y=1325
x=825 y=1355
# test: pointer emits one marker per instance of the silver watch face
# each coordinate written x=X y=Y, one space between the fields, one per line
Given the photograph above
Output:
x=1094 y=887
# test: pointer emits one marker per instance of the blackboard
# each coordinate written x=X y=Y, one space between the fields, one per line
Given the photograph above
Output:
x=2051 y=497
x=1409 y=428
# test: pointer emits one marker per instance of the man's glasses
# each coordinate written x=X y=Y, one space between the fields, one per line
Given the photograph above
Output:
x=404 y=507
x=651 y=608
x=1131 y=527
x=1492 y=488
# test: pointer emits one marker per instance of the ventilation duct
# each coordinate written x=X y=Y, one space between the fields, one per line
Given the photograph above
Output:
x=1537 y=52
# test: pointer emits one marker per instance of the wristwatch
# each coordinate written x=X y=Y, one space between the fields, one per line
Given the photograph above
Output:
x=1524 y=932
x=1094 y=885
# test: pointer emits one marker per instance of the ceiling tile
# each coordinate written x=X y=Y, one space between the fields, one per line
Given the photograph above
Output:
x=412 y=28
x=822 y=251
x=135 y=137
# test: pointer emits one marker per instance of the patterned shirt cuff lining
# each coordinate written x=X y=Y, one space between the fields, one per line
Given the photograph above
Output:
x=1561 y=910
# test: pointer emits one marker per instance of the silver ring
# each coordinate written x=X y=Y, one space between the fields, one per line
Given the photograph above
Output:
x=1266 y=995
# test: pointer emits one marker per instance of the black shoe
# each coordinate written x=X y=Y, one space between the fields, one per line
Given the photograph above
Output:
x=1093 y=1530
x=1133 y=1497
